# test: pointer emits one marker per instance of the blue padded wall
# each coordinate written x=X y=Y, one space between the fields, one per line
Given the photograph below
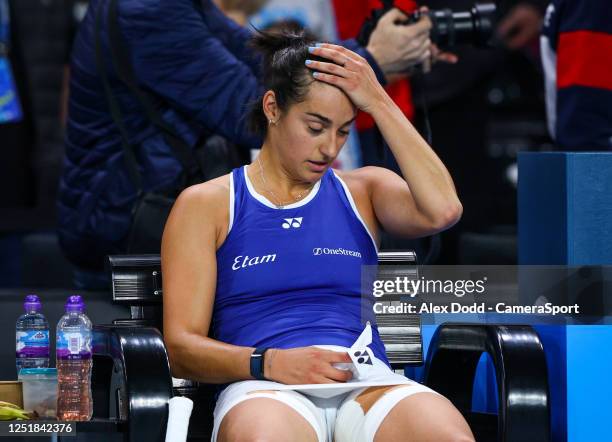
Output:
x=565 y=217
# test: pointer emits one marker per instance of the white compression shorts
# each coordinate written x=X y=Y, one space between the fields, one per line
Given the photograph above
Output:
x=338 y=418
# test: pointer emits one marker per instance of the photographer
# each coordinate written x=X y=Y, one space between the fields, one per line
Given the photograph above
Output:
x=193 y=62
x=451 y=104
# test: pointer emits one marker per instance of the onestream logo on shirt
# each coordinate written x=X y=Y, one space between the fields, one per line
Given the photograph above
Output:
x=338 y=251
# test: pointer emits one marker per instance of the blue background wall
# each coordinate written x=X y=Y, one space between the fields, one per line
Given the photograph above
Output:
x=565 y=217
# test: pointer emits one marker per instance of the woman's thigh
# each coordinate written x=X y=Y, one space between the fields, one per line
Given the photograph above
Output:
x=271 y=416
x=411 y=413
x=424 y=417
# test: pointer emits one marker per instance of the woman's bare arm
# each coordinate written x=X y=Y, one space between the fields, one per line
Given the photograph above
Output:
x=189 y=279
x=424 y=200
x=421 y=202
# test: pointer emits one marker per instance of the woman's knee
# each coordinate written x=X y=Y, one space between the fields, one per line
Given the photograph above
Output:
x=422 y=417
x=402 y=412
x=452 y=435
x=262 y=419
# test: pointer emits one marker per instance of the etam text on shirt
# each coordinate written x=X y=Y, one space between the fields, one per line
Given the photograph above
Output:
x=241 y=262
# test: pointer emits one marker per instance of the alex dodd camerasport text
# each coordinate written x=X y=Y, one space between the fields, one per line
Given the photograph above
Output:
x=455 y=307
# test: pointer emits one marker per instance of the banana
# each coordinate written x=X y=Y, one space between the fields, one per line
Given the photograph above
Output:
x=8 y=404
x=8 y=413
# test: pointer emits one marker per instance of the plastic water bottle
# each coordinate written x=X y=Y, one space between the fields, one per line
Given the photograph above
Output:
x=73 y=355
x=32 y=336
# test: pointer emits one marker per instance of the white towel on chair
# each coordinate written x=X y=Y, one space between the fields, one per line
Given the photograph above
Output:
x=361 y=356
x=179 y=411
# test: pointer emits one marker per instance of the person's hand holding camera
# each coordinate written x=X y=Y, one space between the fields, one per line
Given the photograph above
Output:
x=398 y=47
x=305 y=365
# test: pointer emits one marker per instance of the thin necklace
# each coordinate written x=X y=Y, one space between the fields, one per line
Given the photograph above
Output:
x=267 y=189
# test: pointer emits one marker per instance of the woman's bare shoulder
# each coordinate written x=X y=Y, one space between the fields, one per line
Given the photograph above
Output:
x=364 y=174
x=358 y=183
x=209 y=199
x=355 y=179
x=208 y=191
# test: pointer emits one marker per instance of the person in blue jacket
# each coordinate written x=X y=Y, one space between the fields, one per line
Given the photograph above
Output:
x=196 y=63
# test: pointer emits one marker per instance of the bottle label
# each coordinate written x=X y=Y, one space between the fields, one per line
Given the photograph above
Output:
x=73 y=345
x=33 y=344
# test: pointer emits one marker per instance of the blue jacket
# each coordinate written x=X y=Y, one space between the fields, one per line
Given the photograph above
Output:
x=190 y=56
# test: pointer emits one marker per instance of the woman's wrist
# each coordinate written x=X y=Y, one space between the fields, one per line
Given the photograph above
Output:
x=268 y=360
x=381 y=107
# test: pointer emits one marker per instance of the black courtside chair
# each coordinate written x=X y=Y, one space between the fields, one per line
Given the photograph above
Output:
x=132 y=381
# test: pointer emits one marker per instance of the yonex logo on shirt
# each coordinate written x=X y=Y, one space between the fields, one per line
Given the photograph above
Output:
x=339 y=251
x=292 y=222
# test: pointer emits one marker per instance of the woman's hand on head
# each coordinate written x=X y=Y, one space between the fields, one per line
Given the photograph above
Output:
x=350 y=72
x=306 y=365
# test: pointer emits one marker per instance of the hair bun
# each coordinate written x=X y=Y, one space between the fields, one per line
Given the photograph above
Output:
x=284 y=49
x=272 y=43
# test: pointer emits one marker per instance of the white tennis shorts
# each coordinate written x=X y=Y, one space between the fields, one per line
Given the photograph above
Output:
x=337 y=418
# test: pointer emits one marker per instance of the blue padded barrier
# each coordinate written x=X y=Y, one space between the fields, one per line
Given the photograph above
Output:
x=565 y=217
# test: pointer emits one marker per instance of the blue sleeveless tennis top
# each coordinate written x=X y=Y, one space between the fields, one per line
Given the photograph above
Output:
x=292 y=277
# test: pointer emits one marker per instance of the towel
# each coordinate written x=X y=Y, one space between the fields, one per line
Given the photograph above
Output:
x=179 y=411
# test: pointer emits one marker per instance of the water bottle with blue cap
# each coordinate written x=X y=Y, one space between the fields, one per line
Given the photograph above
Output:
x=32 y=336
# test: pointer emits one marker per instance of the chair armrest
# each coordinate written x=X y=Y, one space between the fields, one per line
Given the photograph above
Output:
x=520 y=367
x=138 y=358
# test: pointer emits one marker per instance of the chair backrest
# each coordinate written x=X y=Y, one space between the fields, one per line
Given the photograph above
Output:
x=400 y=332
x=137 y=282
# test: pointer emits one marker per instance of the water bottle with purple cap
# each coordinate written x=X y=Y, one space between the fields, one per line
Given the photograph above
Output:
x=73 y=355
x=32 y=336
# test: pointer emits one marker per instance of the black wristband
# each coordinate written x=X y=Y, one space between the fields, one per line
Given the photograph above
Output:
x=257 y=363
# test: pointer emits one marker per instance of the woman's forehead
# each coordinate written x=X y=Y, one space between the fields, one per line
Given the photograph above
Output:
x=329 y=101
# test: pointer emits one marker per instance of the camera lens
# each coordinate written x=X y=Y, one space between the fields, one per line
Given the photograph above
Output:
x=474 y=27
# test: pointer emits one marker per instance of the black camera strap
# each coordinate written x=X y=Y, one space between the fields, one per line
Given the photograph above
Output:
x=124 y=70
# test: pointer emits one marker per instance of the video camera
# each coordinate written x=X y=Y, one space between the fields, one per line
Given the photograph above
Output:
x=448 y=28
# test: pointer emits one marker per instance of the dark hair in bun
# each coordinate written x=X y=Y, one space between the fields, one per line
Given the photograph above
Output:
x=284 y=50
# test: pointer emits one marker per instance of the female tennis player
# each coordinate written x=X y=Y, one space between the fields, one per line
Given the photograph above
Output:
x=262 y=267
